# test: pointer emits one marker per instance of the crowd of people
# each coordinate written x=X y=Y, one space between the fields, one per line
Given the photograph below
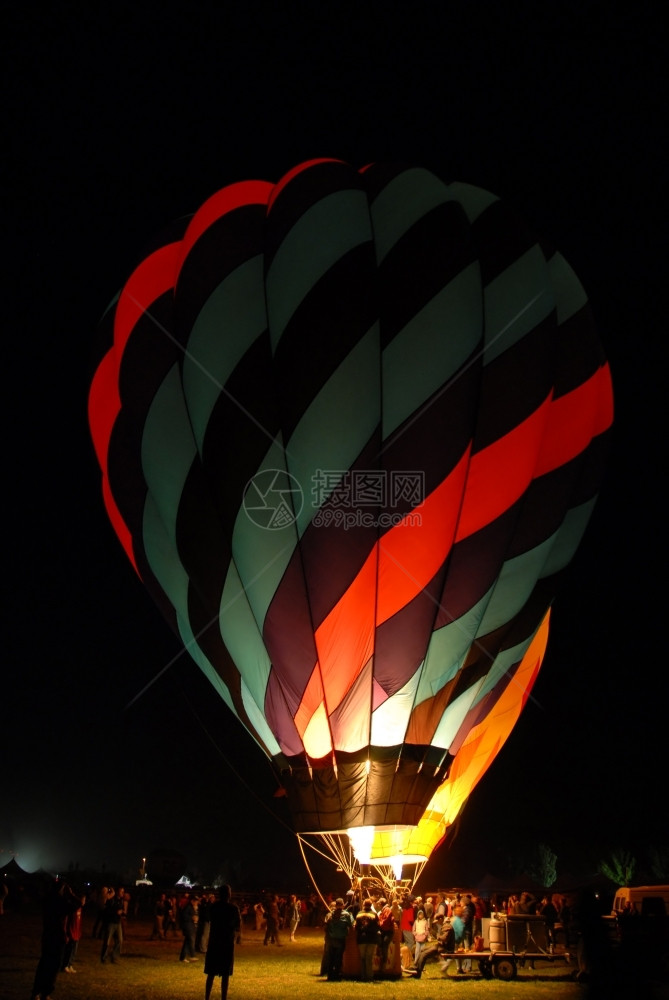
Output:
x=209 y=924
x=450 y=924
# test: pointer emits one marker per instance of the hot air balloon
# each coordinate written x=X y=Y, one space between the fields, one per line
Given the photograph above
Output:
x=351 y=428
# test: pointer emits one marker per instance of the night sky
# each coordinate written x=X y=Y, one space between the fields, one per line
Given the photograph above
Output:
x=123 y=120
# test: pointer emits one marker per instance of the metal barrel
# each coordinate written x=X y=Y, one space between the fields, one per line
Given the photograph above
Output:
x=497 y=935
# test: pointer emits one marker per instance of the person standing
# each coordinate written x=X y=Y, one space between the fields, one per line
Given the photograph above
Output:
x=159 y=913
x=73 y=937
x=421 y=933
x=259 y=912
x=203 y=922
x=387 y=925
x=548 y=911
x=171 y=915
x=187 y=915
x=468 y=914
x=407 y=918
x=526 y=904
x=98 y=926
x=456 y=928
x=338 y=923
x=59 y=903
x=368 y=936
x=294 y=915
x=112 y=938
x=272 y=925
x=224 y=926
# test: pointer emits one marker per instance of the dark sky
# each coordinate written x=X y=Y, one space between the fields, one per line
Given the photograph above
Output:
x=118 y=122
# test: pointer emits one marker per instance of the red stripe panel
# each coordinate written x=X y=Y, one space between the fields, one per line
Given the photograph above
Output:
x=146 y=284
x=154 y=276
x=151 y=279
x=224 y=201
x=500 y=473
x=118 y=523
x=411 y=554
x=104 y=404
x=103 y=408
x=287 y=178
x=574 y=419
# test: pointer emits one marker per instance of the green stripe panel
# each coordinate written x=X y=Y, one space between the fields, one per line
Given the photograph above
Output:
x=474 y=200
x=260 y=554
x=504 y=663
x=567 y=538
x=516 y=301
x=513 y=586
x=404 y=200
x=168 y=449
x=258 y=720
x=456 y=712
x=305 y=255
x=569 y=293
x=448 y=650
x=338 y=423
x=242 y=636
x=390 y=719
x=253 y=712
x=452 y=720
x=163 y=558
x=230 y=321
x=193 y=649
x=425 y=355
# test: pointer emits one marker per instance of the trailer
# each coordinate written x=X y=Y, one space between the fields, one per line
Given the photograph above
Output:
x=509 y=943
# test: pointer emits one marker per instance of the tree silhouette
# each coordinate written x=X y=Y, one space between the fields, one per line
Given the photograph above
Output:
x=542 y=867
x=658 y=858
x=620 y=867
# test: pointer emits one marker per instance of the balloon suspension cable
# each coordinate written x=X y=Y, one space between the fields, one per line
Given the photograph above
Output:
x=337 y=852
x=302 y=842
x=341 y=852
x=418 y=871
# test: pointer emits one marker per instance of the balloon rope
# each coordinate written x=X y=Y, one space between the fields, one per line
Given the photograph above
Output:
x=418 y=871
x=313 y=880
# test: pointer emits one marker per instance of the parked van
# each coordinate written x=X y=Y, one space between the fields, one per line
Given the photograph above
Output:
x=645 y=899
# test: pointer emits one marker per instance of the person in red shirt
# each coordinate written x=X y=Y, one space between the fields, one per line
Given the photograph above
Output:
x=407 y=918
x=73 y=937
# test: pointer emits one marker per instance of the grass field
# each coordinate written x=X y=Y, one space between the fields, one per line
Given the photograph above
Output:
x=150 y=970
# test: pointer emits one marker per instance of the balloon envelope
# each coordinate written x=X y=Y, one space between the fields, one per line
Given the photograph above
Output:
x=351 y=428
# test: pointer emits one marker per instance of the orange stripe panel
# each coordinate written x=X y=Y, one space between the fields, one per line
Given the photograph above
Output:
x=345 y=639
x=477 y=753
x=410 y=554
